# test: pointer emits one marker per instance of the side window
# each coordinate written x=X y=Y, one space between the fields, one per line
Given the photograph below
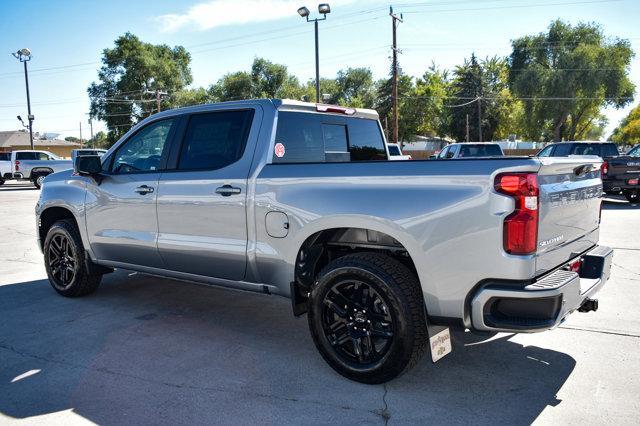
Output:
x=451 y=152
x=546 y=152
x=26 y=156
x=444 y=152
x=215 y=140
x=394 y=150
x=42 y=156
x=586 y=149
x=609 y=150
x=143 y=151
x=563 y=150
x=366 y=142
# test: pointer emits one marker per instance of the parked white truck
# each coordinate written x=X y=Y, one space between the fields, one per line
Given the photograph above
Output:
x=34 y=166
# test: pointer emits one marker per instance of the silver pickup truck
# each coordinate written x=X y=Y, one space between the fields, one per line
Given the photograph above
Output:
x=300 y=200
x=34 y=166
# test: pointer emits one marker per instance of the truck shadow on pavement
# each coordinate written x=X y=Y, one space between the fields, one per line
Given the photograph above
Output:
x=149 y=350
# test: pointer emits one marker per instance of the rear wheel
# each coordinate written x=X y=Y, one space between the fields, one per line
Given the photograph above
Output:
x=632 y=196
x=65 y=263
x=367 y=318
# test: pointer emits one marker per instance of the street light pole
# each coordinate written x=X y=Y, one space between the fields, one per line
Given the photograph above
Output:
x=24 y=56
x=323 y=9
x=317 y=64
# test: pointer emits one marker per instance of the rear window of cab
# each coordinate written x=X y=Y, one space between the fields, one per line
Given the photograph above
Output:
x=322 y=138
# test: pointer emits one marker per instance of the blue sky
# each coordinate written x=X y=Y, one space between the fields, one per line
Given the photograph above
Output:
x=226 y=35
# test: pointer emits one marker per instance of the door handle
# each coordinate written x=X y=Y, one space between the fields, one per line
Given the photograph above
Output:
x=226 y=190
x=144 y=189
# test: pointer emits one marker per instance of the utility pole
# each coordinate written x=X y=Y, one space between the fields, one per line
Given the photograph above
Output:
x=467 y=127
x=93 y=141
x=394 y=96
x=81 y=134
x=158 y=94
x=479 y=119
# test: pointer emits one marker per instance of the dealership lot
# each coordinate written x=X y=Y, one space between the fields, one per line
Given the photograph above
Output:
x=149 y=350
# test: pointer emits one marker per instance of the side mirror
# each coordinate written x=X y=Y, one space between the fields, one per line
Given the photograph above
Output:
x=87 y=165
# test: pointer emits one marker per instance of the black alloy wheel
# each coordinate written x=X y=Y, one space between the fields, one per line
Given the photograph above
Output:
x=62 y=262
x=367 y=317
x=357 y=322
x=69 y=272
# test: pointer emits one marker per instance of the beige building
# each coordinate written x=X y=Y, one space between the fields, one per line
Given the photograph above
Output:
x=15 y=140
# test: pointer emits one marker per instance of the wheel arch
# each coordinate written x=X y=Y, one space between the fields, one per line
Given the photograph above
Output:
x=328 y=240
x=48 y=217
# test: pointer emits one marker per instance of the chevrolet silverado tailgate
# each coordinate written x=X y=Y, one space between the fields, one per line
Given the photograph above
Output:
x=569 y=210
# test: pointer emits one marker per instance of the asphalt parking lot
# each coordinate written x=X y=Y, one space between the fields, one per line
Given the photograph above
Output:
x=145 y=350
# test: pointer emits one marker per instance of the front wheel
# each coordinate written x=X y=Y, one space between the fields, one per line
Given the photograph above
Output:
x=367 y=318
x=632 y=196
x=64 y=260
x=38 y=181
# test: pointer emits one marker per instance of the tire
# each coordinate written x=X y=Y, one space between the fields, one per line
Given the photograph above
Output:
x=38 y=181
x=1 y=181
x=632 y=196
x=65 y=262
x=388 y=325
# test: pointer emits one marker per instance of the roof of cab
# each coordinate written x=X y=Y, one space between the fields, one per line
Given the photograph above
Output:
x=292 y=105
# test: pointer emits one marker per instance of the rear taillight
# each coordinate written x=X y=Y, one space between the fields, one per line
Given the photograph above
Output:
x=17 y=165
x=575 y=266
x=520 y=232
x=604 y=168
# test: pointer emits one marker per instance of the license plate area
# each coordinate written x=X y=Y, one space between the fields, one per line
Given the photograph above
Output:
x=439 y=342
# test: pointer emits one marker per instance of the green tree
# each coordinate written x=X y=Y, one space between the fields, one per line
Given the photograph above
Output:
x=129 y=71
x=430 y=96
x=408 y=116
x=187 y=97
x=232 y=86
x=71 y=139
x=355 y=88
x=100 y=140
x=628 y=132
x=266 y=80
x=577 y=69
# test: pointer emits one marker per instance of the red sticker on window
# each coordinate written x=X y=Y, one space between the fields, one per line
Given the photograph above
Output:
x=279 y=150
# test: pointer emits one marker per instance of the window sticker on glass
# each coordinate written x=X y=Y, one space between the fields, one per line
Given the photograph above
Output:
x=279 y=150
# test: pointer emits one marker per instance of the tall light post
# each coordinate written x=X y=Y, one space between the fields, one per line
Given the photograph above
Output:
x=24 y=56
x=323 y=9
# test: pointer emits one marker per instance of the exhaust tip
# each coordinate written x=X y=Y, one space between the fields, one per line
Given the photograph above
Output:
x=589 y=305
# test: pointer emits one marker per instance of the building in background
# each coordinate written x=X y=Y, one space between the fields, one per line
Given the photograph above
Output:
x=15 y=140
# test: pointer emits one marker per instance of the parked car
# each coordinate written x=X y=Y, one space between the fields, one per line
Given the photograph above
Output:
x=5 y=167
x=34 y=166
x=395 y=153
x=470 y=150
x=86 y=151
x=620 y=174
x=289 y=198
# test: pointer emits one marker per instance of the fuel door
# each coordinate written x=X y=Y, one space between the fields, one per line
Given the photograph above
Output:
x=277 y=224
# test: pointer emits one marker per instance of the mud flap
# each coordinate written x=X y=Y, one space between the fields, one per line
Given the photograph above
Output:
x=439 y=341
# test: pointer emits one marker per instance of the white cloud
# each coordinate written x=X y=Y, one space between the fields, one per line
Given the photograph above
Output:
x=216 y=13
